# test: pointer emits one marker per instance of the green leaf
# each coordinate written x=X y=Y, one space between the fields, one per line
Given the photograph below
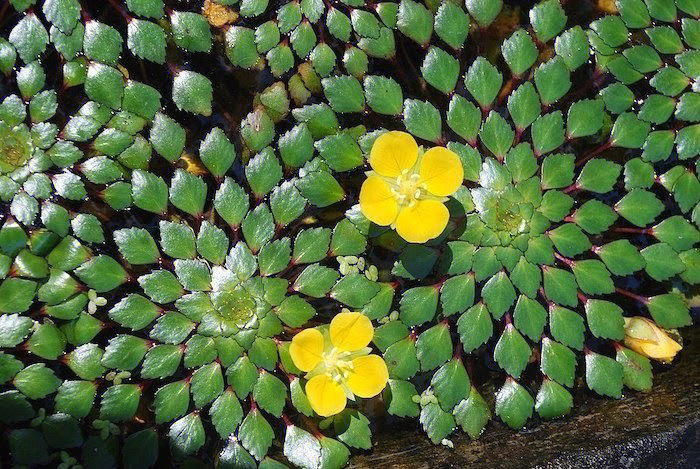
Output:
x=483 y=81
x=226 y=413
x=188 y=192
x=255 y=434
x=149 y=191
x=524 y=105
x=475 y=327
x=16 y=294
x=29 y=37
x=140 y=449
x=217 y=152
x=677 y=232
x=584 y=118
x=572 y=46
x=434 y=347
x=340 y=151
x=28 y=446
x=36 y=381
x=136 y=245
x=161 y=286
x=64 y=14
x=552 y=78
x=598 y=175
x=662 y=262
x=161 y=361
x=669 y=310
x=418 y=305
x=557 y=170
x=146 y=40
x=604 y=375
x=399 y=398
x=621 y=257
x=422 y=119
x=344 y=93
x=592 y=277
x=498 y=294
x=548 y=132
x=187 y=434
x=560 y=286
x=102 y=273
x=553 y=400
x=355 y=291
x=567 y=327
x=437 y=423
x=171 y=401
x=558 y=362
x=75 y=398
x=212 y=243
x=547 y=19
x=320 y=188
x=102 y=43
x=519 y=52
x=207 y=384
x=353 y=429
x=484 y=12
x=414 y=21
x=120 y=402
x=457 y=294
x=636 y=369
x=191 y=31
x=512 y=352
x=514 y=404
x=529 y=317
x=640 y=207
x=270 y=393
x=167 y=137
x=231 y=202
x=569 y=239
x=451 y=24
x=497 y=134
x=383 y=95
x=192 y=92
x=401 y=359
x=440 y=69
x=301 y=448
x=472 y=414
x=463 y=117
x=124 y=352
x=628 y=131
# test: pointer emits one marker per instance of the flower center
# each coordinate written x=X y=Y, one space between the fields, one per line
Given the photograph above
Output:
x=408 y=188
x=235 y=305
x=15 y=148
x=338 y=364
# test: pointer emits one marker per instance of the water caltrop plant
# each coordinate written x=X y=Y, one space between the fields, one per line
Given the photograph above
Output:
x=252 y=233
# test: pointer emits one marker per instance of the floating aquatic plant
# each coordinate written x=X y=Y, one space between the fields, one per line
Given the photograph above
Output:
x=192 y=251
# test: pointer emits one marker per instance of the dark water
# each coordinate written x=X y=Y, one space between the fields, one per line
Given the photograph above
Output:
x=234 y=91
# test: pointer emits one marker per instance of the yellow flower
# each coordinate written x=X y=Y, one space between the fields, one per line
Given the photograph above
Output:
x=406 y=190
x=338 y=363
x=646 y=338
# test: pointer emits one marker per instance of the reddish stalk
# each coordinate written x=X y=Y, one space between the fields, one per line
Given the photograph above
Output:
x=597 y=151
x=634 y=296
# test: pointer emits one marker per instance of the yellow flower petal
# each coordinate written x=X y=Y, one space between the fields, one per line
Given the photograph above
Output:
x=368 y=377
x=393 y=152
x=306 y=349
x=351 y=331
x=645 y=337
x=325 y=395
x=422 y=222
x=377 y=202
x=441 y=171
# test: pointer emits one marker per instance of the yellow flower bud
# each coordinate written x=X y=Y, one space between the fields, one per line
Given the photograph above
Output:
x=646 y=338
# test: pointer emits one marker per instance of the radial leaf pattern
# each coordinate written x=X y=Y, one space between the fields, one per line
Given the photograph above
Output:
x=181 y=192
